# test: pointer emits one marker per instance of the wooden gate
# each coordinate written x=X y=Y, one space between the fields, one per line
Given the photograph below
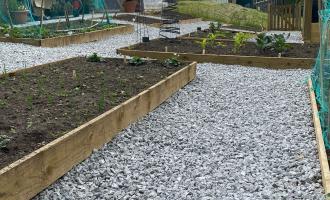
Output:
x=285 y=17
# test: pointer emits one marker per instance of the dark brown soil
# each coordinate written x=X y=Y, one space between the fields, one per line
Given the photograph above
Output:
x=138 y=19
x=45 y=102
x=204 y=34
x=191 y=46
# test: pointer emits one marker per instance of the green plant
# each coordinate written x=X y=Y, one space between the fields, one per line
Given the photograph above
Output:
x=4 y=140
x=212 y=39
x=136 y=61
x=203 y=43
x=264 y=41
x=101 y=103
x=94 y=58
x=3 y=103
x=212 y=27
x=16 y=33
x=29 y=101
x=279 y=43
x=240 y=40
x=172 y=62
x=4 y=29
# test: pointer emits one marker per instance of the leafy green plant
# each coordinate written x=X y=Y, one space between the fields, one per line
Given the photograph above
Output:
x=212 y=27
x=4 y=28
x=136 y=61
x=264 y=41
x=172 y=62
x=212 y=40
x=240 y=40
x=203 y=43
x=279 y=43
x=94 y=58
x=16 y=33
x=4 y=140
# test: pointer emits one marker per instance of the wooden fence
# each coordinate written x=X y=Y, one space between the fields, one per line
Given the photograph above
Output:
x=285 y=17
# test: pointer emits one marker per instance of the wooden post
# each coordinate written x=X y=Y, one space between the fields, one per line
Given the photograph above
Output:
x=307 y=20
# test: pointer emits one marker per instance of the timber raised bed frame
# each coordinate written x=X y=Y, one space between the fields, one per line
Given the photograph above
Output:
x=30 y=175
x=255 y=61
x=325 y=171
x=72 y=39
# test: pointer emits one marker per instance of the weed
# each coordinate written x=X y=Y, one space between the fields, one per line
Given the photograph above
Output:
x=4 y=140
x=136 y=61
x=29 y=102
x=3 y=103
x=50 y=99
x=240 y=40
x=94 y=58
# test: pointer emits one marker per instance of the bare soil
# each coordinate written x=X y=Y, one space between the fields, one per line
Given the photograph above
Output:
x=42 y=103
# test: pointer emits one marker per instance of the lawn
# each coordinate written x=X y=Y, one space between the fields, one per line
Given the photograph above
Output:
x=225 y=13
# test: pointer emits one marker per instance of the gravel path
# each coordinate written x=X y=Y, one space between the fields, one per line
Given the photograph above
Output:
x=233 y=133
x=15 y=56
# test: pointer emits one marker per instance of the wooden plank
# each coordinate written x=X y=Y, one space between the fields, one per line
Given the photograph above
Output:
x=72 y=39
x=325 y=171
x=255 y=61
x=270 y=14
x=307 y=20
x=28 y=176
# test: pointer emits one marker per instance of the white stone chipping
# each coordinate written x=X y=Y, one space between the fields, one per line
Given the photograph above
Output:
x=233 y=133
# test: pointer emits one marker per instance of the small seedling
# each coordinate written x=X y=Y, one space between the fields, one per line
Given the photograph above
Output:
x=4 y=140
x=240 y=40
x=101 y=103
x=212 y=40
x=172 y=62
x=94 y=58
x=203 y=44
x=3 y=103
x=29 y=101
x=136 y=61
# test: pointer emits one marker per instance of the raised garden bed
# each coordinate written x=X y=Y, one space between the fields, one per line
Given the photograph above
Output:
x=200 y=34
x=58 y=34
x=36 y=110
x=324 y=163
x=298 y=55
x=153 y=21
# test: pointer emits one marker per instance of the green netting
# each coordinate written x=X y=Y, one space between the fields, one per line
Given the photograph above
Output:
x=321 y=73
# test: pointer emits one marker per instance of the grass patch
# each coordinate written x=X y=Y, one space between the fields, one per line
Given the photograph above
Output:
x=225 y=13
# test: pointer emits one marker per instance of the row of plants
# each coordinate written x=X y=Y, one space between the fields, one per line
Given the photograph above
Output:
x=37 y=32
x=276 y=42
